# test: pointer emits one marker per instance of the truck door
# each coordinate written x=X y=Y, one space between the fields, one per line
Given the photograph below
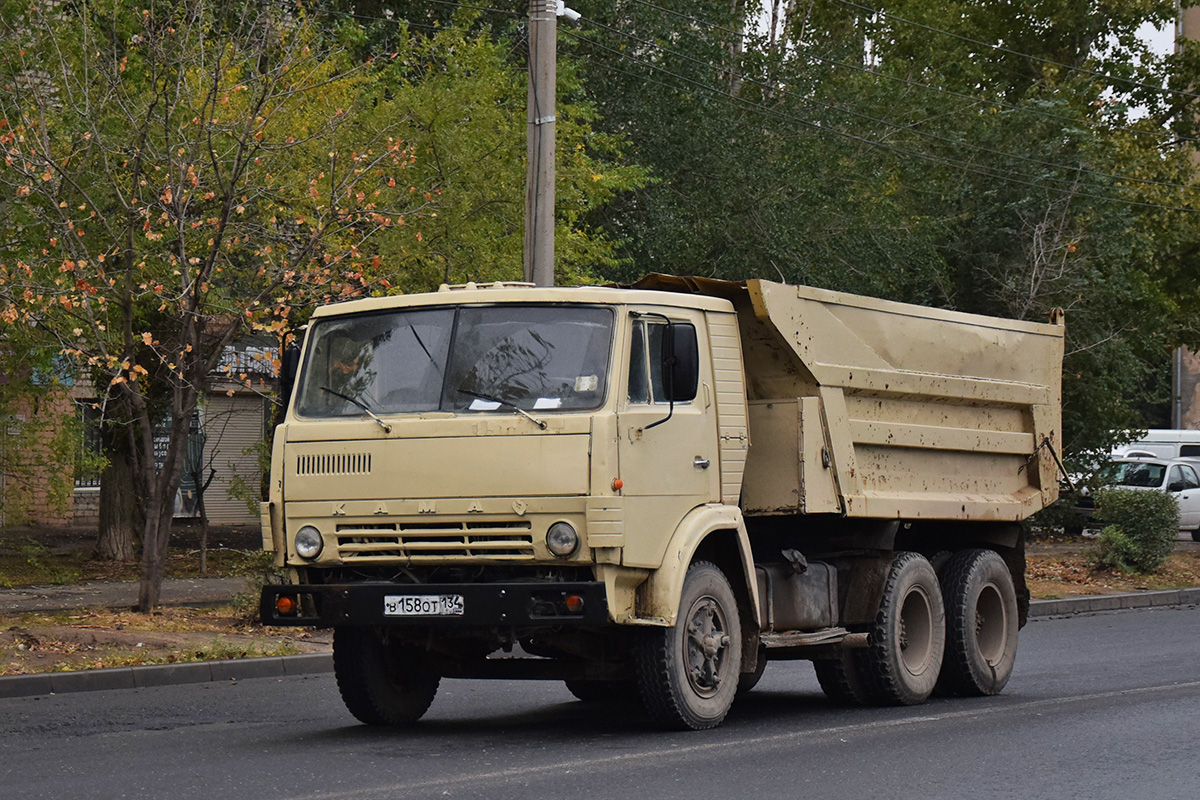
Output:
x=669 y=468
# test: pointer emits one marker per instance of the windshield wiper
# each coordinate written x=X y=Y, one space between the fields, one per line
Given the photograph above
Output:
x=513 y=406
x=386 y=428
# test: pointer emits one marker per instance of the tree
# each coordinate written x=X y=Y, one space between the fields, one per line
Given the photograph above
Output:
x=1004 y=159
x=455 y=86
x=174 y=178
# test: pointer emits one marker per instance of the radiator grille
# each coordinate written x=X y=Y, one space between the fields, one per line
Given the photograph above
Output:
x=334 y=464
x=436 y=541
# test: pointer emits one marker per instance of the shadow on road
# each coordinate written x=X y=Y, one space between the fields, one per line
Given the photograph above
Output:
x=576 y=720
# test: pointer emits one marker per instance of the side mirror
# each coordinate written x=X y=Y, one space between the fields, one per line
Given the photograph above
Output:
x=289 y=365
x=681 y=362
x=1176 y=487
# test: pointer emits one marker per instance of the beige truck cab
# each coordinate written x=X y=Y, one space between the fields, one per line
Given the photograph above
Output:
x=653 y=491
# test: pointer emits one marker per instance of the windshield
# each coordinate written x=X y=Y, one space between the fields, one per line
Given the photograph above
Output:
x=1134 y=473
x=543 y=358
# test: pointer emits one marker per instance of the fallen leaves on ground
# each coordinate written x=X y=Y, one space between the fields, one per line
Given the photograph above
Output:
x=99 y=638
x=1055 y=572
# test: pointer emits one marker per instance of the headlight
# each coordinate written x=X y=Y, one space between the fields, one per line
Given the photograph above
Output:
x=562 y=539
x=309 y=542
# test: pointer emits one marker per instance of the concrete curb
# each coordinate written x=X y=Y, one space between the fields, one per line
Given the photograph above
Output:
x=89 y=680
x=1113 y=602
x=320 y=663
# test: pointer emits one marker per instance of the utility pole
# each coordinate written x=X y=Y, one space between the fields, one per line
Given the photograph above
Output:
x=1184 y=378
x=539 y=176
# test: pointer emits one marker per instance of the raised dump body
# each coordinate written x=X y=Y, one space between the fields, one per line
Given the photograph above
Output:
x=871 y=408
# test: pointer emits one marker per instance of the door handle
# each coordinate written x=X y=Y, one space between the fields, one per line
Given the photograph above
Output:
x=702 y=463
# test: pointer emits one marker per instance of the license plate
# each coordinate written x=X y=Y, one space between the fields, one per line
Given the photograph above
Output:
x=423 y=605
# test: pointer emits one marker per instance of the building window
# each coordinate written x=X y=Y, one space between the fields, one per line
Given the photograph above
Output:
x=88 y=458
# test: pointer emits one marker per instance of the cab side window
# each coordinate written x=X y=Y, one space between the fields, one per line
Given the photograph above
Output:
x=639 y=365
x=646 y=383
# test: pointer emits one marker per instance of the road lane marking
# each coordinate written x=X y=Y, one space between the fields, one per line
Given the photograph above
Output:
x=392 y=790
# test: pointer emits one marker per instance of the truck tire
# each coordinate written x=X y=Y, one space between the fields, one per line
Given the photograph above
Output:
x=1196 y=535
x=590 y=691
x=981 y=624
x=688 y=674
x=904 y=656
x=841 y=679
x=381 y=684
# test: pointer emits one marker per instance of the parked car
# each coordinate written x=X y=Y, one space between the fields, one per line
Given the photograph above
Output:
x=1179 y=478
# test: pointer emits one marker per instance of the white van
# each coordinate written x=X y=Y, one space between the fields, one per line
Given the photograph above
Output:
x=1164 y=443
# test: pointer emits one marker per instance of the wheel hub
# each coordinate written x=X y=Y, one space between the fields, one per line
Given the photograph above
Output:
x=707 y=646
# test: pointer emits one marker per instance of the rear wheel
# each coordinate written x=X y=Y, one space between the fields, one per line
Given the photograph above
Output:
x=688 y=674
x=1196 y=535
x=901 y=664
x=381 y=683
x=981 y=624
x=841 y=679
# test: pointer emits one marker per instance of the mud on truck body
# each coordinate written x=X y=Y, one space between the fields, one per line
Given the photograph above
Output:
x=652 y=492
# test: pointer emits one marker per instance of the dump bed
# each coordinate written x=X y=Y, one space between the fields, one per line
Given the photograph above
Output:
x=872 y=408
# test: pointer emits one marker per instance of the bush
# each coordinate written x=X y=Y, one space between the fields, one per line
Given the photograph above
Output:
x=1140 y=529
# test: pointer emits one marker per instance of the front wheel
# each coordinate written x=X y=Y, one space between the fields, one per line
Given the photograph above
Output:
x=688 y=674
x=381 y=683
x=901 y=664
x=981 y=624
x=1196 y=535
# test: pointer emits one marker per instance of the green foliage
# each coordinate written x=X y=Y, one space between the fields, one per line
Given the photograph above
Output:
x=175 y=177
x=1116 y=550
x=1140 y=529
x=902 y=155
x=458 y=102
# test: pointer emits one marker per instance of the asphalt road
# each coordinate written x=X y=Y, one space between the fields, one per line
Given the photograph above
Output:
x=1102 y=706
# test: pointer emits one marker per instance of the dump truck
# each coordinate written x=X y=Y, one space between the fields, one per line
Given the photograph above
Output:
x=651 y=492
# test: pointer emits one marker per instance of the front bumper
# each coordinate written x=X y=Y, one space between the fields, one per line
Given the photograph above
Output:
x=509 y=605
